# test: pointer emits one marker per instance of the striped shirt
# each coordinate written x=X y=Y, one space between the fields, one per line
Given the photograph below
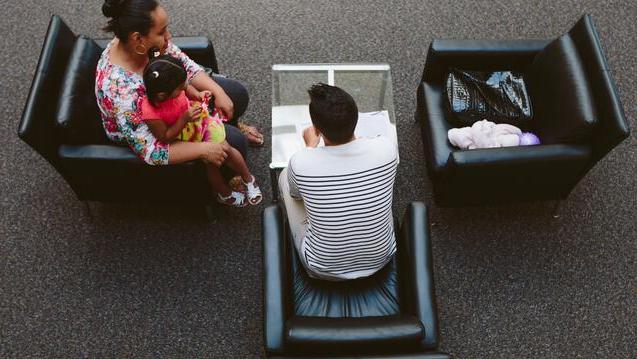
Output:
x=347 y=191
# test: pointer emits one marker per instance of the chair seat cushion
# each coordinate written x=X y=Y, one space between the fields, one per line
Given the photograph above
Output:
x=564 y=110
x=373 y=296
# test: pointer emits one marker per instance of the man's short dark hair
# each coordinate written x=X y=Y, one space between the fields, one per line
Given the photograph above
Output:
x=333 y=112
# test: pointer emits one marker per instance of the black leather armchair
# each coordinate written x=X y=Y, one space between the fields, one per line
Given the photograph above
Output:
x=577 y=114
x=391 y=314
x=61 y=122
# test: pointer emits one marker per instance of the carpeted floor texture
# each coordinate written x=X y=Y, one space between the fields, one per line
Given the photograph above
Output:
x=141 y=281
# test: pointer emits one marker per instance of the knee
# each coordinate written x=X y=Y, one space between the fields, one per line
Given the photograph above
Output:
x=236 y=139
x=237 y=92
x=283 y=180
x=240 y=100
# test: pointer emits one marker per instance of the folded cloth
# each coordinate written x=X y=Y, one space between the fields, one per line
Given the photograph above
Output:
x=485 y=134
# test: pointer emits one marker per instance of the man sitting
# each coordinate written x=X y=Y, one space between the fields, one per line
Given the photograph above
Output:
x=338 y=197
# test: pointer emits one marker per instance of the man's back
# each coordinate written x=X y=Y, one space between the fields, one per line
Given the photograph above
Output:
x=347 y=191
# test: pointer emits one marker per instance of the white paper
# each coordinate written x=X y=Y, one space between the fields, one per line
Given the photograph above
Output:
x=372 y=124
x=302 y=125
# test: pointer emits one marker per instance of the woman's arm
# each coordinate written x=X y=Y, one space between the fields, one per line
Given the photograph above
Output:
x=192 y=93
x=202 y=82
x=195 y=95
x=214 y=153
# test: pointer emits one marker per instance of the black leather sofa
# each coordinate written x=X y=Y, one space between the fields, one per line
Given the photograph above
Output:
x=61 y=122
x=391 y=314
x=577 y=114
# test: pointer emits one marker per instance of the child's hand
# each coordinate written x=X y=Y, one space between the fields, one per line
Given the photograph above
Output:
x=203 y=95
x=194 y=113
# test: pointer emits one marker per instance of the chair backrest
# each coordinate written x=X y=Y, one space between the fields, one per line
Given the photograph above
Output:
x=563 y=103
x=611 y=127
x=78 y=116
x=37 y=126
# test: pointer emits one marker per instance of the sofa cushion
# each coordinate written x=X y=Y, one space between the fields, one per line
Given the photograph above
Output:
x=564 y=111
x=78 y=115
x=372 y=296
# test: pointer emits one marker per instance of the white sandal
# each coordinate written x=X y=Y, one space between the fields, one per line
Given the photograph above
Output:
x=239 y=199
x=253 y=192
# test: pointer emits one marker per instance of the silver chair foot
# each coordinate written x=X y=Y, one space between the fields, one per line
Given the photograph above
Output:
x=556 y=208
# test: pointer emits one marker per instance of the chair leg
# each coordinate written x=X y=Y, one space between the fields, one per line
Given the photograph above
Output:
x=211 y=214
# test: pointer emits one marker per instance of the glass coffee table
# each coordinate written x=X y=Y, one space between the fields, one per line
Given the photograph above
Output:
x=369 y=84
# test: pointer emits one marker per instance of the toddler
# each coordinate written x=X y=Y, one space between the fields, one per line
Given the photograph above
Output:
x=176 y=111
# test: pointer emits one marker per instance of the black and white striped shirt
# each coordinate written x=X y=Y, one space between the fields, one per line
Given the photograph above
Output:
x=347 y=191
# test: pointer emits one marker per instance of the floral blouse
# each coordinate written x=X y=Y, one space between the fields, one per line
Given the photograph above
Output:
x=119 y=93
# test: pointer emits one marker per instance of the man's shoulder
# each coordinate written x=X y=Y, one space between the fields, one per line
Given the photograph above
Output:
x=380 y=147
x=382 y=141
x=303 y=156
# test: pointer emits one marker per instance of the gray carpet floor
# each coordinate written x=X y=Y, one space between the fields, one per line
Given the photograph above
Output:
x=135 y=281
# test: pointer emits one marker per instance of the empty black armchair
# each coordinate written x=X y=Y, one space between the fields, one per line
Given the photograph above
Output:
x=61 y=122
x=391 y=313
x=576 y=112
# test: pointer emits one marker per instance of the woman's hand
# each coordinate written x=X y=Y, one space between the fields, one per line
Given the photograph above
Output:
x=215 y=153
x=224 y=103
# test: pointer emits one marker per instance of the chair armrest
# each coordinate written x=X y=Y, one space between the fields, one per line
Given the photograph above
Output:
x=198 y=48
x=37 y=125
x=275 y=280
x=612 y=126
x=432 y=114
x=485 y=55
x=416 y=271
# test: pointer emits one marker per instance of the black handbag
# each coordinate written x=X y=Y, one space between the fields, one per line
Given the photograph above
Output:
x=500 y=97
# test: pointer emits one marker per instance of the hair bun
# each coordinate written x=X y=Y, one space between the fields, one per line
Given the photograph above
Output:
x=112 y=8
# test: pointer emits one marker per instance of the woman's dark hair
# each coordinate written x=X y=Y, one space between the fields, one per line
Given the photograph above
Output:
x=128 y=16
x=163 y=73
x=333 y=112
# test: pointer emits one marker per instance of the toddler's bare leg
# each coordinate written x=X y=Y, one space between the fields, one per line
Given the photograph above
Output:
x=238 y=164
x=216 y=180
